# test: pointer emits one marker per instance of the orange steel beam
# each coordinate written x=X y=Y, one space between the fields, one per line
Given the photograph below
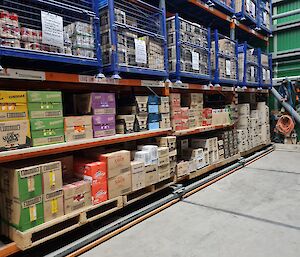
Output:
x=9 y=249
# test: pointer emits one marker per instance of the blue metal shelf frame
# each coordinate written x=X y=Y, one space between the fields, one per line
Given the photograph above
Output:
x=178 y=74
x=242 y=48
x=261 y=26
x=114 y=67
x=221 y=5
x=217 y=79
x=269 y=67
x=70 y=9
x=245 y=17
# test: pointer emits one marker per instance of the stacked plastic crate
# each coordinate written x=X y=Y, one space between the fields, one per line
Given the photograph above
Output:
x=188 y=49
x=133 y=38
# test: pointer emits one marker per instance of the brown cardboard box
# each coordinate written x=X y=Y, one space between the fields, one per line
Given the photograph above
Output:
x=51 y=176
x=53 y=205
x=138 y=175
x=116 y=163
x=169 y=141
x=151 y=174
x=119 y=185
x=182 y=168
x=163 y=161
x=66 y=166
x=77 y=195
x=162 y=152
x=164 y=172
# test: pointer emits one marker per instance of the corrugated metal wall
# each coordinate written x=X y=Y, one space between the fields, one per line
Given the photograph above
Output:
x=286 y=41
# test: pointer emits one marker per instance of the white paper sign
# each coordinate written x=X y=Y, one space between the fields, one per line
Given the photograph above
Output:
x=253 y=8
x=140 y=51
x=195 y=61
x=264 y=74
x=248 y=5
x=252 y=72
x=52 y=29
x=265 y=17
x=268 y=75
x=228 y=67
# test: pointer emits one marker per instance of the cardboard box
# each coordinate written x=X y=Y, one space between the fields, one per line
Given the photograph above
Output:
x=142 y=121
x=164 y=172
x=44 y=97
x=14 y=135
x=78 y=128
x=104 y=125
x=77 y=195
x=119 y=185
x=206 y=144
x=99 y=191
x=175 y=99
x=53 y=205
x=169 y=141
x=152 y=176
x=138 y=175
x=125 y=124
x=162 y=161
x=90 y=171
x=153 y=108
x=21 y=182
x=116 y=163
x=244 y=109
x=162 y=152
x=23 y=215
x=141 y=103
x=96 y=103
x=164 y=106
x=45 y=110
x=51 y=176
x=143 y=156
x=153 y=100
x=47 y=131
x=13 y=111
x=182 y=168
x=66 y=166
x=165 y=124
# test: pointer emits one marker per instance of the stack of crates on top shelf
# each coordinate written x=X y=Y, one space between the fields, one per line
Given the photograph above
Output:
x=188 y=49
x=133 y=38
x=253 y=127
x=248 y=65
x=48 y=31
x=224 y=59
x=227 y=6
x=265 y=15
x=265 y=70
x=246 y=10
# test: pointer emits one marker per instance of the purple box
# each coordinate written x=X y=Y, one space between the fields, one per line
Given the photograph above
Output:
x=104 y=125
x=96 y=103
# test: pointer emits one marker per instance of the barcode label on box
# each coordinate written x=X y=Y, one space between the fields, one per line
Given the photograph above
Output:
x=16 y=115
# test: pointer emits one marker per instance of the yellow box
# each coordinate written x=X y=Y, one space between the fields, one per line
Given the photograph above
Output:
x=13 y=97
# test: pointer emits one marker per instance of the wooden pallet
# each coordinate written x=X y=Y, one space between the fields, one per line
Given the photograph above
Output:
x=64 y=224
x=209 y=168
x=145 y=192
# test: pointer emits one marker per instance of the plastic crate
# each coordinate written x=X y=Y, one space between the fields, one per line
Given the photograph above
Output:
x=266 y=72
x=188 y=49
x=133 y=38
x=23 y=33
x=265 y=15
x=224 y=61
x=225 y=5
x=248 y=59
x=246 y=11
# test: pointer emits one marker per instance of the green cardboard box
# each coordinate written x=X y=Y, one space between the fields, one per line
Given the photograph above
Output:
x=45 y=110
x=44 y=96
x=47 y=131
x=21 y=183
x=23 y=215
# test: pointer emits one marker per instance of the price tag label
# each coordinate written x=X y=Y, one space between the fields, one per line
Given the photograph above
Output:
x=52 y=29
x=140 y=51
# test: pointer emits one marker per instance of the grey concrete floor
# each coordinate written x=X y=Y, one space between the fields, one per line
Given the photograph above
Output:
x=254 y=212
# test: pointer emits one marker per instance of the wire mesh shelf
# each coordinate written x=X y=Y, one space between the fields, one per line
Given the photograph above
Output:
x=133 y=38
x=246 y=11
x=265 y=61
x=188 y=50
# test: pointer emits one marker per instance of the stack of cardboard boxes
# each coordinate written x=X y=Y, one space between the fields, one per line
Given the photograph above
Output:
x=194 y=102
x=154 y=116
x=102 y=107
x=170 y=143
x=164 y=109
x=78 y=128
x=14 y=123
x=46 y=117
x=263 y=122
x=227 y=140
x=210 y=149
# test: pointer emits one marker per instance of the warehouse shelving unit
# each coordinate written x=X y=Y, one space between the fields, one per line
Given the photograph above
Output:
x=11 y=78
x=266 y=74
x=247 y=11
x=265 y=10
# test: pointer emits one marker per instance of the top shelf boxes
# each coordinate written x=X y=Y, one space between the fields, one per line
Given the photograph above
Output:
x=133 y=38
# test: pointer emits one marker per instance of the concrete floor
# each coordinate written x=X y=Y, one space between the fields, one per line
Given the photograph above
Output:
x=254 y=212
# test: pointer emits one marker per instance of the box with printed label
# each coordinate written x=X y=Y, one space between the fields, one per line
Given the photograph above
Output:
x=142 y=121
x=51 y=176
x=77 y=195
x=78 y=127
x=96 y=103
x=89 y=170
x=153 y=100
x=182 y=168
x=21 y=182
x=169 y=141
x=104 y=125
x=143 y=156
x=153 y=108
x=162 y=152
x=99 y=191
x=164 y=172
x=14 y=135
x=47 y=131
x=164 y=106
x=165 y=124
x=153 y=125
x=152 y=176
x=125 y=124
x=119 y=185
x=13 y=105
x=154 y=117
x=153 y=149
x=23 y=215
x=163 y=161
x=45 y=110
x=53 y=205
x=116 y=163
x=44 y=97
x=175 y=99
x=141 y=103
x=138 y=175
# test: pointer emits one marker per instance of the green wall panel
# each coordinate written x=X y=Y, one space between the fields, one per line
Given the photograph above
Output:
x=288 y=69
x=288 y=39
x=287 y=6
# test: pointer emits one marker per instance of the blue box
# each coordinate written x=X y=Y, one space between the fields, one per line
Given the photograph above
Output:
x=153 y=108
x=153 y=125
x=153 y=100
x=153 y=117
